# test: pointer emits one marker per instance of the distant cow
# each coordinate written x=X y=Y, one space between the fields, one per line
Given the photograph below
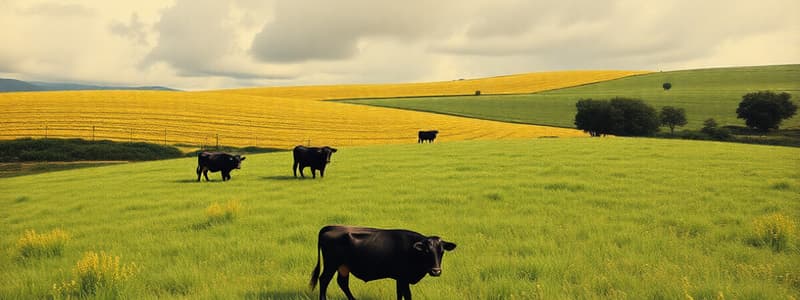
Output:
x=216 y=162
x=314 y=157
x=371 y=254
x=428 y=135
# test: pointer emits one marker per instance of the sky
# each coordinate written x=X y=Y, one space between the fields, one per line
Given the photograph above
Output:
x=210 y=44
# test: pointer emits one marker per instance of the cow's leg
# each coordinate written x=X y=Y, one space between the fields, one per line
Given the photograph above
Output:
x=343 y=279
x=198 y=173
x=301 y=171
x=294 y=169
x=322 y=172
x=324 y=280
x=205 y=173
x=225 y=176
x=313 y=172
x=403 y=290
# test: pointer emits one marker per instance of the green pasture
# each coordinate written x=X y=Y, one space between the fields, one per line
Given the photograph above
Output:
x=580 y=218
x=706 y=93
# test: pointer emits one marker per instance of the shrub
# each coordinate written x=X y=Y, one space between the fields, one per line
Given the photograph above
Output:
x=32 y=244
x=775 y=231
x=217 y=213
x=477 y=93
x=94 y=272
x=765 y=110
x=619 y=116
x=666 y=86
x=711 y=129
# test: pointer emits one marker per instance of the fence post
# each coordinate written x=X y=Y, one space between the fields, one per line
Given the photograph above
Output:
x=92 y=133
x=45 y=131
x=217 y=141
x=165 y=136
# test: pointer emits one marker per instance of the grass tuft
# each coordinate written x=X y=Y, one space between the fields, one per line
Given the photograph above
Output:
x=218 y=214
x=32 y=244
x=781 y=186
x=775 y=231
x=95 y=272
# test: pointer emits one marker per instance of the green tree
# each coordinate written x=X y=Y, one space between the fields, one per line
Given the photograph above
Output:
x=765 y=110
x=666 y=86
x=618 y=116
x=672 y=116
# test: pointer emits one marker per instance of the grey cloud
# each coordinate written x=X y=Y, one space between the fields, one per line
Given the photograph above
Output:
x=331 y=30
x=198 y=38
x=134 y=30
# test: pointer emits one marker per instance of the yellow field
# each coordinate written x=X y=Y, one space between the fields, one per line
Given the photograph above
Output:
x=511 y=84
x=267 y=117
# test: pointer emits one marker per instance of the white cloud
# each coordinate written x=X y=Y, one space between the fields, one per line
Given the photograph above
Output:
x=208 y=44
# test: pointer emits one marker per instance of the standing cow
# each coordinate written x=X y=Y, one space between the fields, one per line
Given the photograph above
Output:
x=218 y=162
x=314 y=157
x=427 y=135
x=370 y=254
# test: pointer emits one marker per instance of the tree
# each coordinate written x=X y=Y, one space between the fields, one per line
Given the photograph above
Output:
x=765 y=110
x=618 y=116
x=671 y=117
x=594 y=117
x=666 y=86
x=638 y=118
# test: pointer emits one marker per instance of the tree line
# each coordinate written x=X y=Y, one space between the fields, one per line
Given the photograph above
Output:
x=762 y=111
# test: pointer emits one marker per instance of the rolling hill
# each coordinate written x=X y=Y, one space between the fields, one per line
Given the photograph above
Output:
x=704 y=93
x=13 y=85
x=280 y=117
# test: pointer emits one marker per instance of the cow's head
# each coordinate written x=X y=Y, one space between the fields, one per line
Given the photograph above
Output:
x=326 y=153
x=432 y=249
x=237 y=160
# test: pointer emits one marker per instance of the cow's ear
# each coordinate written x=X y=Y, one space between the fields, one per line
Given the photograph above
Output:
x=448 y=245
x=419 y=246
x=243 y=158
x=333 y=150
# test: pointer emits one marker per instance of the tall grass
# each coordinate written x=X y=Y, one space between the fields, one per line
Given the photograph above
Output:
x=33 y=244
x=543 y=218
x=96 y=272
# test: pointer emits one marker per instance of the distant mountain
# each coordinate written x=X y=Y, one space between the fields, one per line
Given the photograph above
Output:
x=13 y=85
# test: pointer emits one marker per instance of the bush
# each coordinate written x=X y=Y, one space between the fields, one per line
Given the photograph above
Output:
x=94 y=272
x=618 y=116
x=32 y=244
x=77 y=149
x=765 y=110
x=477 y=93
x=711 y=129
x=775 y=231
x=666 y=86
x=217 y=213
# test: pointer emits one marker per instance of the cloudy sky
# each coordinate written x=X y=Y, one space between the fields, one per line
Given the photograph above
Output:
x=209 y=44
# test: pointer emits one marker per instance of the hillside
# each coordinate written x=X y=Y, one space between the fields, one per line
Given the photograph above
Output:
x=558 y=218
x=13 y=85
x=271 y=117
x=705 y=93
x=510 y=84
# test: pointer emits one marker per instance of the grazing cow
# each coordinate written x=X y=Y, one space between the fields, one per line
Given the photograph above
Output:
x=314 y=157
x=218 y=161
x=370 y=254
x=427 y=135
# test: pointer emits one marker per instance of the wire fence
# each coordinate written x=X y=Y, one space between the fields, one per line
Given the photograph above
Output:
x=173 y=136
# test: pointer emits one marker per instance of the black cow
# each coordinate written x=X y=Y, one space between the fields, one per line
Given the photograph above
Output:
x=371 y=254
x=218 y=161
x=427 y=135
x=313 y=157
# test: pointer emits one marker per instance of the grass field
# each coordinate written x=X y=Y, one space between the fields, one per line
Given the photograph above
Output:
x=578 y=218
x=280 y=117
x=706 y=93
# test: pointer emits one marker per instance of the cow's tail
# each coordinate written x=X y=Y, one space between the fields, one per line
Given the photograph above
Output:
x=315 y=273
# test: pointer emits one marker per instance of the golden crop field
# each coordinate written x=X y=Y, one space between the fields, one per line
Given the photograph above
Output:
x=264 y=117
x=511 y=84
